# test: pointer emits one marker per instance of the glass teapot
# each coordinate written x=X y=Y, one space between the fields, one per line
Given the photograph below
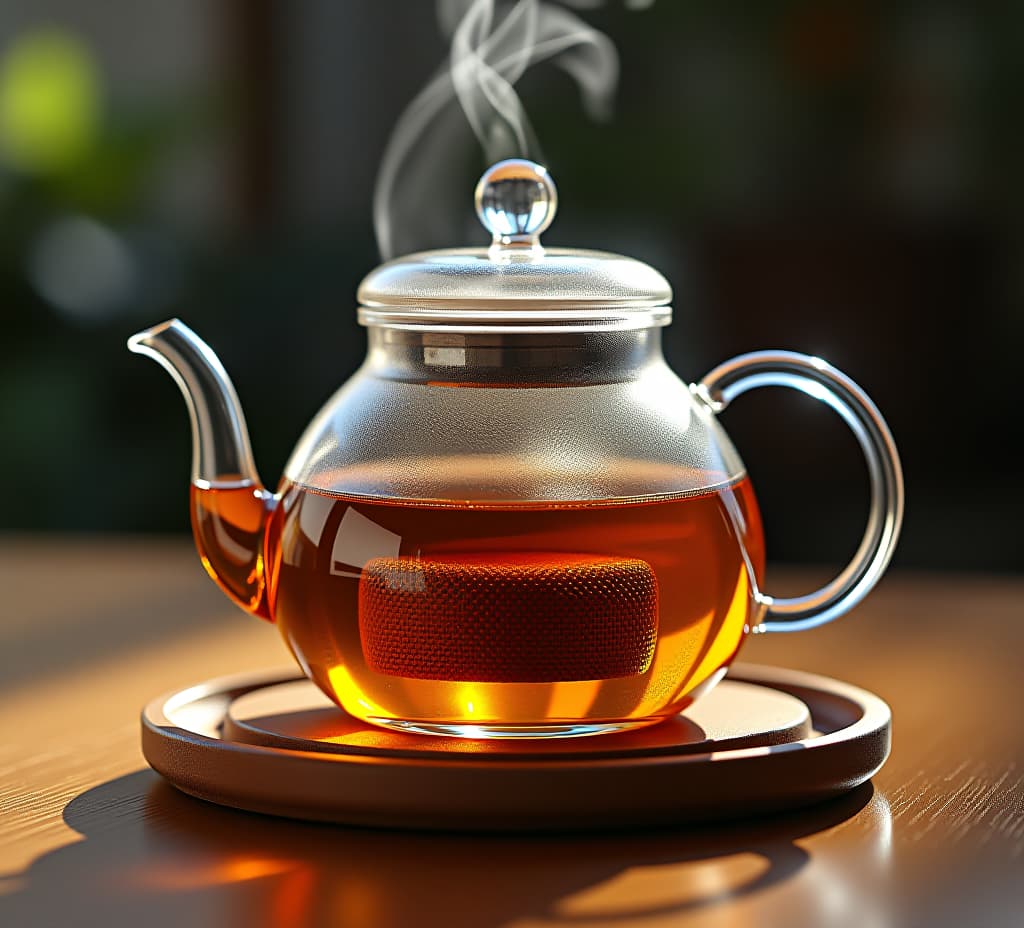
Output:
x=514 y=520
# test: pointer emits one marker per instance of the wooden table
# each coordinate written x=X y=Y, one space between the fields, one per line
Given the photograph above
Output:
x=92 y=629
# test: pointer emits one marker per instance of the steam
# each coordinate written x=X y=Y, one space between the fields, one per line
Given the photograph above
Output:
x=492 y=46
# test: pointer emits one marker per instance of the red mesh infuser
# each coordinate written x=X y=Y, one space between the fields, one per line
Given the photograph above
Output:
x=515 y=618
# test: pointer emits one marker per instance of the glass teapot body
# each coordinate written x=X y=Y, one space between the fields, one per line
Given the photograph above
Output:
x=515 y=532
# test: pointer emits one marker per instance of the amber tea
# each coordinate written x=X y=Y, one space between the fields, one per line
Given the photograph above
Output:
x=447 y=617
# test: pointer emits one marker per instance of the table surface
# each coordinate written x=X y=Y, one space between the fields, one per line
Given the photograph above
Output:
x=91 y=629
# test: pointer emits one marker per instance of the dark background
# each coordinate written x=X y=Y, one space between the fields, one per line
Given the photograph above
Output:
x=844 y=179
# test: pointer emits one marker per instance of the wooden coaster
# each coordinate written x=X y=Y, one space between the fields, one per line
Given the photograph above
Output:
x=201 y=739
x=298 y=716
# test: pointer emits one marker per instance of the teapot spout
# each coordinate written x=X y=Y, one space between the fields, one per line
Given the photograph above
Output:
x=221 y=452
x=230 y=507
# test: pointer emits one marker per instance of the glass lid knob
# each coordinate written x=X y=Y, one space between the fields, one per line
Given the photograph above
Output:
x=516 y=201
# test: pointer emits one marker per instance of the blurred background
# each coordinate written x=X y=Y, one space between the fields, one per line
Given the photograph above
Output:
x=843 y=179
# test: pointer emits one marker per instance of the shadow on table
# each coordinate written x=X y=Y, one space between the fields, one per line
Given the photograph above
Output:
x=155 y=857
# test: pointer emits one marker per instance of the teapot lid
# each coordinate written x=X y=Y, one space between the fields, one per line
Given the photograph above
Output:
x=516 y=282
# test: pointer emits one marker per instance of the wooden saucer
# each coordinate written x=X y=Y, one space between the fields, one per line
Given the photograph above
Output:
x=764 y=739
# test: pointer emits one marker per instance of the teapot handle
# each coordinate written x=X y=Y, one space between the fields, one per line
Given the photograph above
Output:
x=821 y=381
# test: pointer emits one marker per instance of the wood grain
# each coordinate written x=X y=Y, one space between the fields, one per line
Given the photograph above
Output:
x=92 y=629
